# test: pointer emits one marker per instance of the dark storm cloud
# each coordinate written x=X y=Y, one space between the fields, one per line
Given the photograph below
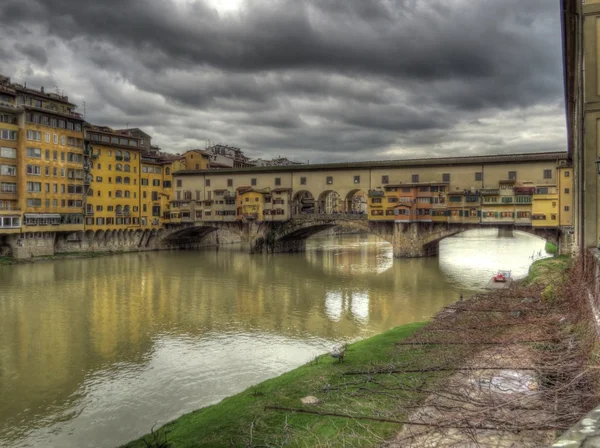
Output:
x=326 y=79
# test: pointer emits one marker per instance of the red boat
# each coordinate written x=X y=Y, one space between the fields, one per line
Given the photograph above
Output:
x=502 y=276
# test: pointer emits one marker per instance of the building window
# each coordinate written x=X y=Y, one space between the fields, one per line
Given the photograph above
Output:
x=446 y=177
x=207 y=183
x=415 y=178
x=34 y=152
x=357 y=179
x=8 y=170
x=33 y=169
x=32 y=135
x=566 y=208
x=567 y=191
x=278 y=181
x=385 y=179
x=55 y=139
x=479 y=176
x=303 y=181
x=567 y=173
x=253 y=181
x=329 y=180
x=547 y=174
x=230 y=182
x=8 y=153
x=7 y=134
x=178 y=182
x=512 y=175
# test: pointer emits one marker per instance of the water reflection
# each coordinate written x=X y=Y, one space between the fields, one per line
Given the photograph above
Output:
x=94 y=352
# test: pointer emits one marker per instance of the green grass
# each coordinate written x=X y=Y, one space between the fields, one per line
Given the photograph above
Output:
x=551 y=248
x=548 y=271
x=241 y=420
x=6 y=261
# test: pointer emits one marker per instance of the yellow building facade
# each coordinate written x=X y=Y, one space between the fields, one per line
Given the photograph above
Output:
x=41 y=162
x=113 y=195
x=522 y=190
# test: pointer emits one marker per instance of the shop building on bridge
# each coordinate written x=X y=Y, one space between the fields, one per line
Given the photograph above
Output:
x=524 y=189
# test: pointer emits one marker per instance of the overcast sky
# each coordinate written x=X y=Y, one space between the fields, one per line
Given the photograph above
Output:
x=318 y=80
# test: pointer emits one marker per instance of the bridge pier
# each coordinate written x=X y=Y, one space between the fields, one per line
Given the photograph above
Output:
x=505 y=232
x=420 y=239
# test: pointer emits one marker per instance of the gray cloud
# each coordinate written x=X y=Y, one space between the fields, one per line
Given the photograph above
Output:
x=311 y=79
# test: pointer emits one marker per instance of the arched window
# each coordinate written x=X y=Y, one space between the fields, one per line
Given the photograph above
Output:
x=109 y=167
x=126 y=180
x=127 y=194
x=119 y=179
x=119 y=155
x=119 y=167
x=126 y=209
x=126 y=168
x=90 y=192
x=127 y=156
x=118 y=194
x=167 y=171
x=119 y=210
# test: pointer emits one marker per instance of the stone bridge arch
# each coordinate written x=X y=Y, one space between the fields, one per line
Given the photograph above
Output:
x=356 y=202
x=291 y=236
x=428 y=236
x=196 y=235
x=330 y=202
x=303 y=203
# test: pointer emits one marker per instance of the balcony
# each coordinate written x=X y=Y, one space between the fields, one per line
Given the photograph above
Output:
x=490 y=192
x=376 y=193
x=524 y=190
x=329 y=216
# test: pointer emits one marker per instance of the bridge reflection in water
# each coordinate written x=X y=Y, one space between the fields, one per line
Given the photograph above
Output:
x=94 y=352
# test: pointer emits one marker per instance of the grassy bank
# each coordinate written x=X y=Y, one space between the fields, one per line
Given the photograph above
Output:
x=5 y=261
x=242 y=420
x=548 y=271
x=551 y=248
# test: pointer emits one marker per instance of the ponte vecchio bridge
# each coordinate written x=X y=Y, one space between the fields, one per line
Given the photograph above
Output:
x=412 y=203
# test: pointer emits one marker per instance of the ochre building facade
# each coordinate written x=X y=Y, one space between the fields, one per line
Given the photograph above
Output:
x=523 y=190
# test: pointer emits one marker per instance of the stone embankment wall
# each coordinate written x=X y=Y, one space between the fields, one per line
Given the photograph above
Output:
x=51 y=243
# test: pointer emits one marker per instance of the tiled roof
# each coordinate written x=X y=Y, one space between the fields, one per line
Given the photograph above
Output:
x=443 y=161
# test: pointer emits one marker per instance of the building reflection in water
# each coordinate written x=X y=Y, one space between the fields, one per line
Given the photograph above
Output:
x=159 y=334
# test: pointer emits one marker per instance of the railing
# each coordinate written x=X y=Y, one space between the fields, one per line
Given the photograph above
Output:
x=489 y=191
x=332 y=216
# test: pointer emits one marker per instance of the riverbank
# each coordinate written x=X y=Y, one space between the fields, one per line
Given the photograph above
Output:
x=245 y=419
x=8 y=261
x=388 y=379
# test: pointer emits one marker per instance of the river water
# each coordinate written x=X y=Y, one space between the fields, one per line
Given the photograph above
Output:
x=94 y=352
